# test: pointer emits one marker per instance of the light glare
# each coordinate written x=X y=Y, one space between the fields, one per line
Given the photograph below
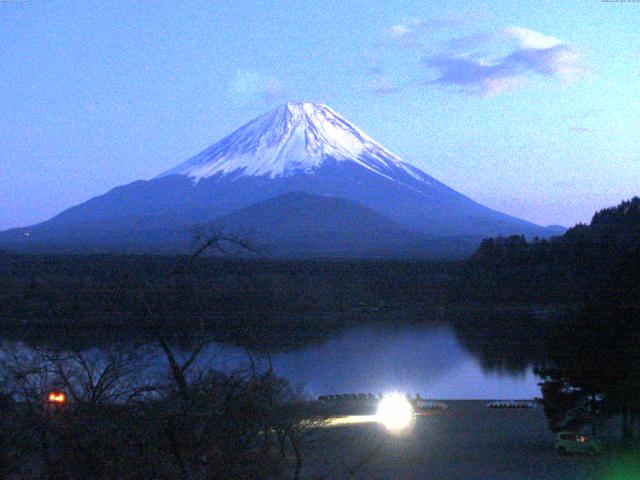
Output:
x=395 y=412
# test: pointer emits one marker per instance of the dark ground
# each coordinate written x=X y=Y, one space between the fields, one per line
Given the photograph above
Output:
x=467 y=442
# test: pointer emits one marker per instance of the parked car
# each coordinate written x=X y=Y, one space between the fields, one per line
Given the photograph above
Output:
x=573 y=443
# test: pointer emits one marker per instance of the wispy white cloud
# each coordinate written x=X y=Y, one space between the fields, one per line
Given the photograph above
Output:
x=509 y=60
x=250 y=86
x=407 y=34
x=531 y=39
x=407 y=27
x=399 y=30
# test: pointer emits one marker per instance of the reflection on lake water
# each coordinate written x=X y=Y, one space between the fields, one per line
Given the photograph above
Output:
x=429 y=360
x=426 y=360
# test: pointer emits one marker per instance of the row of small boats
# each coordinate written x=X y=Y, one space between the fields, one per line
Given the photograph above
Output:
x=418 y=403
x=511 y=404
x=350 y=397
x=368 y=398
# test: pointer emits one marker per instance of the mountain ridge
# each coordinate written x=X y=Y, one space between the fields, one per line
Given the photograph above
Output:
x=298 y=147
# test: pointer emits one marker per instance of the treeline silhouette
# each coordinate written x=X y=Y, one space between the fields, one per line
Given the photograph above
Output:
x=120 y=289
x=592 y=367
x=261 y=304
x=563 y=270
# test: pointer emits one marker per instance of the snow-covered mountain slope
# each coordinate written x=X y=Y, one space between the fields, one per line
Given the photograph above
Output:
x=298 y=147
x=292 y=139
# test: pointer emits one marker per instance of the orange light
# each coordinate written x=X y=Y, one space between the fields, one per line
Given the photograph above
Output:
x=57 y=397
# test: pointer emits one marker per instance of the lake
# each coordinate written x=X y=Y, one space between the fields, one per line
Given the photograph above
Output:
x=428 y=359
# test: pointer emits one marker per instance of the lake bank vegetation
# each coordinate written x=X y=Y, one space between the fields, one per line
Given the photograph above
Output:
x=77 y=415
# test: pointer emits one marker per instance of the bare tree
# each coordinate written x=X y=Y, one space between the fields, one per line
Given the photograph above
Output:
x=92 y=379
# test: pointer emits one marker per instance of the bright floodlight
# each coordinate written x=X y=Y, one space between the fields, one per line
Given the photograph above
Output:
x=395 y=412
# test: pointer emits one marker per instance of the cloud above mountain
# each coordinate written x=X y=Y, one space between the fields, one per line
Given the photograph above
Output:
x=512 y=58
x=250 y=86
x=486 y=63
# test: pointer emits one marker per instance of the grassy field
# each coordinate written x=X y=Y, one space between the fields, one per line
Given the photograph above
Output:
x=467 y=441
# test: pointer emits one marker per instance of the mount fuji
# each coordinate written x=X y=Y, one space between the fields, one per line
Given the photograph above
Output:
x=304 y=182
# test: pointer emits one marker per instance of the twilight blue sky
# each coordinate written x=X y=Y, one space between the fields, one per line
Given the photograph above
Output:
x=530 y=107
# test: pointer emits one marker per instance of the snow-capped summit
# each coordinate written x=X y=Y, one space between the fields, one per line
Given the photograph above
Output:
x=293 y=138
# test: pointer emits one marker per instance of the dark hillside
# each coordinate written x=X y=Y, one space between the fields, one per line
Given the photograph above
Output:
x=568 y=268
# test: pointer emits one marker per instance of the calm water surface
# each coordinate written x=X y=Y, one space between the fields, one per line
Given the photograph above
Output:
x=429 y=360
x=426 y=360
